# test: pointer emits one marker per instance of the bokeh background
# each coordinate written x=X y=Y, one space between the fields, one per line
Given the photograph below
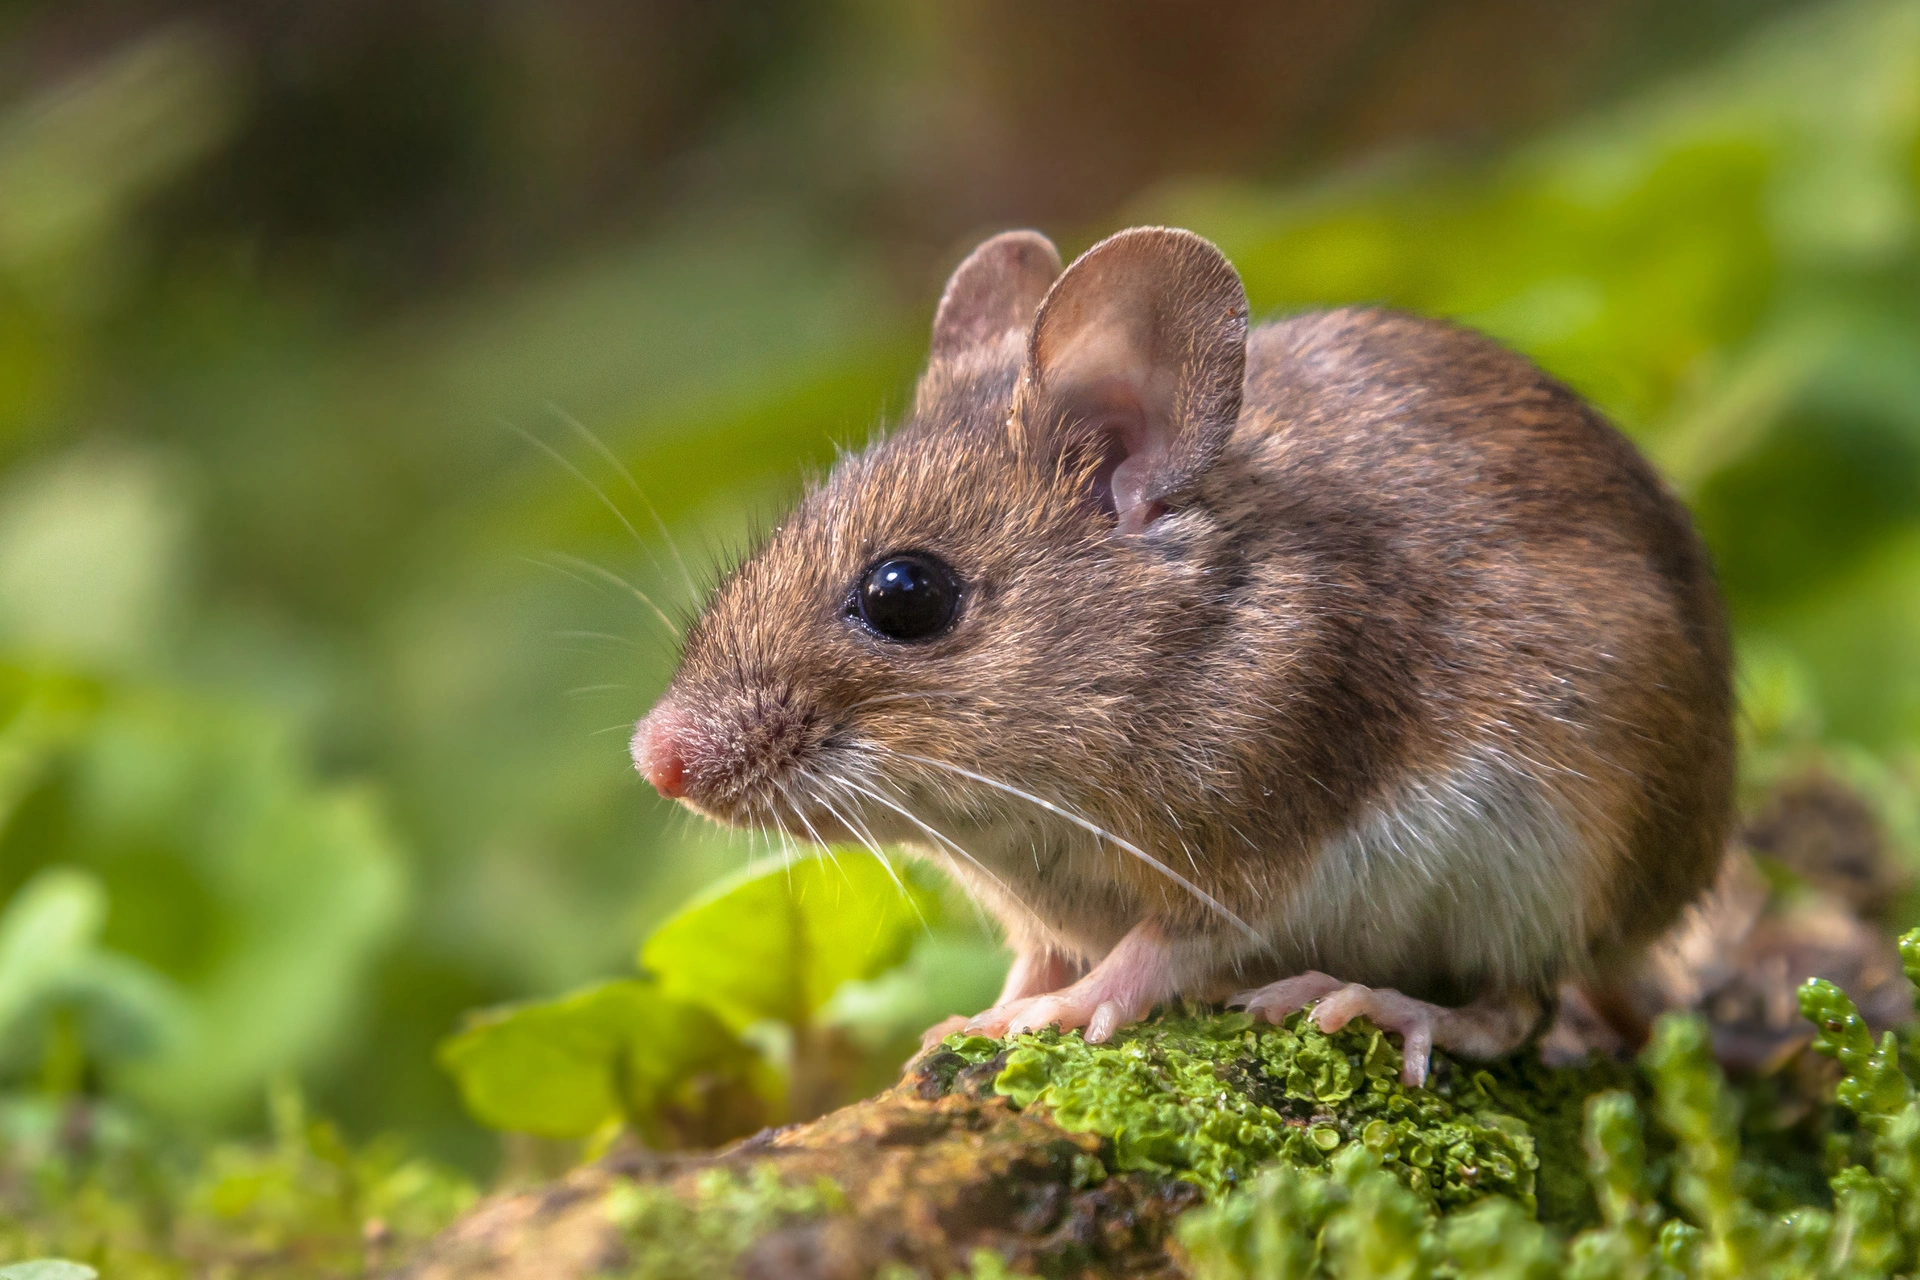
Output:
x=328 y=330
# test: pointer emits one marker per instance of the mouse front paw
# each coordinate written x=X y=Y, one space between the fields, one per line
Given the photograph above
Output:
x=1095 y=1012
x=1124 y=987
x=930 y=1038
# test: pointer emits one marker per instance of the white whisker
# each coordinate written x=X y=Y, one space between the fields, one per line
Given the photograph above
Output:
x=579 y=475
x=799 y=813
x=637 y=593
x=937 y=835
x=586 y=689
x=929 y=695
x=1094 y=829
x=853 y=824
x=861 y=834
x=673 y=549
x=607 y=636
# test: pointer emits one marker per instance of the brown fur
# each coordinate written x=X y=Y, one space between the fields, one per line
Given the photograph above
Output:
x=1404 y=548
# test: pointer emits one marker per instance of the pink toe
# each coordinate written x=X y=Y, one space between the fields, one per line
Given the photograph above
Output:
x=993 y=1022
x=941 y=1030
x=1340 y=1008
x=1276 y=1000
x=1037 y=1014
x=1105 y=1020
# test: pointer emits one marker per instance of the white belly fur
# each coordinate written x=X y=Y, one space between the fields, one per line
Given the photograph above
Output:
x=1471 y=875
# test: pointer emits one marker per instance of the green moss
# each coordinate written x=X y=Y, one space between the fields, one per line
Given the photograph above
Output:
x=1211 y=1099
x=1677 y=1199
x=671 y=1235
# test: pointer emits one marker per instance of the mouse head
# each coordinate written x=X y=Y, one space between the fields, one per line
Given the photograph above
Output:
x=990 y=597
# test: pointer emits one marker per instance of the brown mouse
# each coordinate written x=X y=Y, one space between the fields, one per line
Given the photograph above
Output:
x=1351 y=659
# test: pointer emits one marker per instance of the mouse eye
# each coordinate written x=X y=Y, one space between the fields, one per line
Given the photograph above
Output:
x=907 y=598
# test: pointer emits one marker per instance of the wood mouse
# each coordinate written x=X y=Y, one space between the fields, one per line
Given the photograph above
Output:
x=1349 y=662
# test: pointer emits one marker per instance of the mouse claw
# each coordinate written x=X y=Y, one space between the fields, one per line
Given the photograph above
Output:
x=930 y=1039
x=1390 y=1011
x=997 y=1022
x=1040 y=1012
x=1105 y=1021
x=1276 y=1000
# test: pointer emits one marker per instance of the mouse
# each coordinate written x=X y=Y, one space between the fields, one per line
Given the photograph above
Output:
x=1348 y=663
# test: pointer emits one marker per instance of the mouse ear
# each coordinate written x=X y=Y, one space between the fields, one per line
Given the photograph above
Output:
x=1139 y=350
x=997 y=289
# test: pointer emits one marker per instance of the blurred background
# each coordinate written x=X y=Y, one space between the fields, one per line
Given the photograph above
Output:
x=320 y=324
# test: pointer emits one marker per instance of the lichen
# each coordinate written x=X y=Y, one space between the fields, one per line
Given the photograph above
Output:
x=1688 y=1213
x=1210 y=1099
x=670 y=1235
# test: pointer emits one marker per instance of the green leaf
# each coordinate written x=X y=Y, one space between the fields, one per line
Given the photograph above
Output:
x=777 y=943
x=563 y=1068
x=48 y=926
x=57 y=986
x=48 y=1269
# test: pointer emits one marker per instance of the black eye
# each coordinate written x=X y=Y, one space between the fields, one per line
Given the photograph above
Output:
x=908 y=597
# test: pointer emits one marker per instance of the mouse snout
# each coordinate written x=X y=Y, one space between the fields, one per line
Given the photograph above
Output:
x=660 y=749
x=726 y=754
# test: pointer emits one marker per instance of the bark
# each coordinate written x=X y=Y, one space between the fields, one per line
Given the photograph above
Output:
x=931 y=1170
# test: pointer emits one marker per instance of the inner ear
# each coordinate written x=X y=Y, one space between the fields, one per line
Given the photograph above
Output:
x=1138 y=353
x=1126 y=456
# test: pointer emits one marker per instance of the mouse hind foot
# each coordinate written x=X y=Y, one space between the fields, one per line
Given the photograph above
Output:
x=1490 y=1027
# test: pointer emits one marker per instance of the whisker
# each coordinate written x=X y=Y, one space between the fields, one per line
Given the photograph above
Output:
x=579 y=475
x=929 y=695
x=860 y=833
x=799 y=813
x=673 y=548
x=866 y=838
x=586 y=689
x=1084 y=824
x=629 y=641
x=568 y=573
x=625 y=726
x=618 y=581
x=756 y=831
x=938 y=835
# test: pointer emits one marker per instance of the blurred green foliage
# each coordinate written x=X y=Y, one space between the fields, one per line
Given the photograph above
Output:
x=190 y=911
x=95 y=1183
x=313 y=691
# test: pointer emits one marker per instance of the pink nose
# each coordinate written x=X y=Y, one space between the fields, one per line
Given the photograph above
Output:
x=659 y=751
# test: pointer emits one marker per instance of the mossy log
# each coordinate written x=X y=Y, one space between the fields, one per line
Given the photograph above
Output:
x=920 y=1177
x=1050 y=1157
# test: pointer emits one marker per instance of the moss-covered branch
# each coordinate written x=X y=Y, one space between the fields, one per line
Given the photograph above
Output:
x=1204 y=1144
x=1055 y=1157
